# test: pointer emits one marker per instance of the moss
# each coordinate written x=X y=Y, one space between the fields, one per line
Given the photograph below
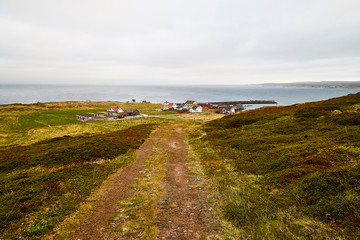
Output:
x=307 y=159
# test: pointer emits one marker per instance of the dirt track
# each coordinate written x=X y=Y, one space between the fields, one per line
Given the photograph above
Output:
x=189 y=217
x=95 y=225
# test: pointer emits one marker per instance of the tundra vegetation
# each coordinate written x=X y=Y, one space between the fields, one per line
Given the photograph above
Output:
x=50 y=163
x=272 y=173
x=286 y=172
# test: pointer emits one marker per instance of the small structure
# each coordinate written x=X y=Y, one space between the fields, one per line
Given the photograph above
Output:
x=228 y=110
x=196 y=109
x=111 y=113
x=169 y=106
x=115 y=109
x=238 y=108
x=99 y=115
x=180 y=106
x=131 y=112
x=84 y=118
x=191 y=103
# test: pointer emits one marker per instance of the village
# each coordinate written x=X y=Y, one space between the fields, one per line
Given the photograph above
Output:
x=190 y=106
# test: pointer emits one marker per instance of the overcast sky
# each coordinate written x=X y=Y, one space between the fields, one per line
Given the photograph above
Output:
x=178 y=41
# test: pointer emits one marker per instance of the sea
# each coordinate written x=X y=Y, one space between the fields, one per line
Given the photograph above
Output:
x=158 y=94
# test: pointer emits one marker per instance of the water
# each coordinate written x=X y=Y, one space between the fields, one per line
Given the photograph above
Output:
x=159 y=94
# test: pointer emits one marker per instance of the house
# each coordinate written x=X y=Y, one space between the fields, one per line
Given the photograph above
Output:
x=191 y=103
x=169 y=106
x=228 y=110
x=195 y=109
x=238 y=108
x=207 y=105
x=99 y=115
x=84 y=118
x=115 y=109
x=204 y=105
x=131 y=112
x=222 y=107
x=111 y=113
x=179 y=106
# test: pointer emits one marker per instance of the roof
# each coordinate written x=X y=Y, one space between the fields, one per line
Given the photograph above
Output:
x=132 y=111
x=115 y=108
x=171 y=104
x=190 y=101
x=83 y=115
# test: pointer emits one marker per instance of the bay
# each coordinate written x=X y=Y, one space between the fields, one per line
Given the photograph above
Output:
x=159 y=94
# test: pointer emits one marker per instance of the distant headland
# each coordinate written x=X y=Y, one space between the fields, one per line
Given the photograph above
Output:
x=322 y=84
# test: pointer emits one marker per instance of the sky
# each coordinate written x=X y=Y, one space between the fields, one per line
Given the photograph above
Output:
x=178 y=42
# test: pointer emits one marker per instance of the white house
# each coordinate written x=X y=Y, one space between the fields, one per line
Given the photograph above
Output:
x=228 y=110
x=169 y=106
x=195 y=109
x=180 y=106
x=115 y=109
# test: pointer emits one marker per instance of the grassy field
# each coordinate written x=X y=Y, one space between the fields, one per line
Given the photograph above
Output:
x=50 y=163
x=29 y=123
x=286 y=172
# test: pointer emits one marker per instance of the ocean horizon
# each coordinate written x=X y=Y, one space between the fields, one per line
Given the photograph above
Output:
x=27 y=94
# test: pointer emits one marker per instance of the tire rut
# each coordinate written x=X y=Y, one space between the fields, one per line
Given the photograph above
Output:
x=185 y=213
x=96 y=225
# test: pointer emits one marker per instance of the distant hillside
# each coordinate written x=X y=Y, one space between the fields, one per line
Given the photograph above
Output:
x=323 y=84
x=288 y=172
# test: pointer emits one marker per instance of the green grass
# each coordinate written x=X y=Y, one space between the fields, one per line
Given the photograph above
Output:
x=287 y=172
x=44 y=182
x=49 y=118
x=30 y=123
x=50 y=163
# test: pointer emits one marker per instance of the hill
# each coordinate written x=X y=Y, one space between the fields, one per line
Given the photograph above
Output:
x=286 y=172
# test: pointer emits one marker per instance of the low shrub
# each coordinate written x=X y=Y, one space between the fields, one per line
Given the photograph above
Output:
x=306 y=158
x=46 y=181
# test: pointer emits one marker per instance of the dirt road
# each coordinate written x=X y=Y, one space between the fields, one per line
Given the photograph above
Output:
x=178 y=211
x=189 y=215
x=95 y=226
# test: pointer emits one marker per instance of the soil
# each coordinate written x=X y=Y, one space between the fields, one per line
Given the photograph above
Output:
x=95 y=226
x=184 y=212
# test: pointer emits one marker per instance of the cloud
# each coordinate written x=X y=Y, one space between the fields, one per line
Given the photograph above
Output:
x=161 y=41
